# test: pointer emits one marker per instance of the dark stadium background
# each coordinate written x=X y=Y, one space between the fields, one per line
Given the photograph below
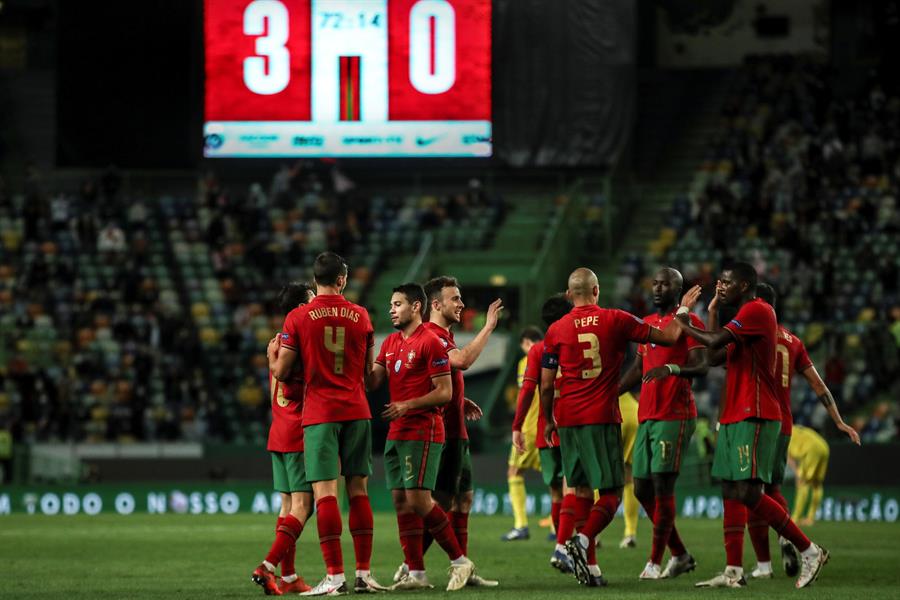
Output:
x=624 y=138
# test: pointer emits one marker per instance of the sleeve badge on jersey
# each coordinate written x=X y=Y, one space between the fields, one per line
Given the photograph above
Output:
x=439 y=362
x=638 y=319
x=444 y=342
x=285 y=336
x=737 y=323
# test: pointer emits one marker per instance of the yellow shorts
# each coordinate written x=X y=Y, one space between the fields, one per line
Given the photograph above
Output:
x=530 y=459
x=813 y=468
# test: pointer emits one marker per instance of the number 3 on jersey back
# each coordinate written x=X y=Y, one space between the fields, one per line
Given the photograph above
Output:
x=593 y=353
x=334 y=342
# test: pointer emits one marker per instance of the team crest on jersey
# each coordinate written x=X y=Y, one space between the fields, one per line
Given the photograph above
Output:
x=410 y=358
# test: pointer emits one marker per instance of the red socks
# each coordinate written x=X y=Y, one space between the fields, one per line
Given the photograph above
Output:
x=361 y=526
x=780 y=499
x=582 y=510
x=287 y=561
x=663 y=526
x=328 y=520
x=566 y=519
x=286 y=535
x=601 y=515
x=667 y=505
x=758 y=529
x=733 y=524
x=778 y=519
x=439 y=525
x=555 y=507
x=411 y=528
x=460 y=523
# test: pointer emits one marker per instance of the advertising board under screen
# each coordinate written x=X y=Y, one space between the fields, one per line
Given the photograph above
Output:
x=377 y=78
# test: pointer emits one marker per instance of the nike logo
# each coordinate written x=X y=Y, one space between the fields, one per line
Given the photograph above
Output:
x=422 y=141
x=389 y=354
x=744 y=468
x=409 y=478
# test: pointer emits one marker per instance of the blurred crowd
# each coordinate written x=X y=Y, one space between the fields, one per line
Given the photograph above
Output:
x=131 y=317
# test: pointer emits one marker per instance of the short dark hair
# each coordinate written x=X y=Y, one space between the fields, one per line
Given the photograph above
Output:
x=328 y=267
x=531 y=333
x=555 y=308
x=767 y=293
x=292 y=295
x=414 y=293
x=433 y=289
x=744 y=272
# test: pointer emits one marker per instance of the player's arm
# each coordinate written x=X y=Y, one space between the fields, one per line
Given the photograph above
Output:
x=440 y=394
x=375 y=377
x=717 y=357
x=696 y=366
x=827 y=400
x=284 y=363
x=670 y=335
x=548 y=389
x=463 y=358
x=632 y=376
x=713 y=340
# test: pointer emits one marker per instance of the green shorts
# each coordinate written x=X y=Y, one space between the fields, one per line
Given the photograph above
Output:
x=343 y=448
x=410 y=465
x=592 y=455
x=660 y=446
x=781 y=449
x=454 y=474
x=746 y=450
x=289 y=472
x=551 y=466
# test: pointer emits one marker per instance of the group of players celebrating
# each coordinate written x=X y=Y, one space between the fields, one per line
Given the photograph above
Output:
x=323 y=362
x=580 y=438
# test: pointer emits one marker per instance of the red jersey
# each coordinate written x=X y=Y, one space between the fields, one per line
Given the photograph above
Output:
x=791 y=358
x=411 y=364
x=588 y=346
x=530 y=383
x=286 y=431
x=669 y=399
x=750 y=383
x=332 y=336
x=454 y=413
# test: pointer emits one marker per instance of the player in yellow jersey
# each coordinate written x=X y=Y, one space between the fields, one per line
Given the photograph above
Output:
x=628 y=406
x=808 y=455
x=530 y=458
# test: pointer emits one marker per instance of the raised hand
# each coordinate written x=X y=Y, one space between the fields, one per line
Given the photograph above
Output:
x=690 y=299
x=493 y=314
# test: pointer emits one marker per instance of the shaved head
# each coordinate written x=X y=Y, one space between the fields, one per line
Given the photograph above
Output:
x=583 y=285
x=674 y=277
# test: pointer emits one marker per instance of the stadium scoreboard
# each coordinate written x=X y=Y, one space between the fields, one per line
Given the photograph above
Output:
x=344 y=78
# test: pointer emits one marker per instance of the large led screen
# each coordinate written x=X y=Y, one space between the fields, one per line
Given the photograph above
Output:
x=386 y=78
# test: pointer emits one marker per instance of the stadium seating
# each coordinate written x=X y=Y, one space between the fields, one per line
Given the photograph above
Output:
x=801 y=184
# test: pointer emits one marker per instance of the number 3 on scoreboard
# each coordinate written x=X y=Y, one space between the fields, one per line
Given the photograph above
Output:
x=593 y=353
x=269 y=72
x=334 y=342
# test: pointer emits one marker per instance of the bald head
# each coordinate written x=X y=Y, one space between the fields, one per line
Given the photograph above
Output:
x=583 y=286
x=667 y=284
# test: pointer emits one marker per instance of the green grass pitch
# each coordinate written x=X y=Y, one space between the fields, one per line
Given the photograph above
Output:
x=182 y=556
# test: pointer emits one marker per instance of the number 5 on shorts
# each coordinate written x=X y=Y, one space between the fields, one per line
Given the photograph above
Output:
x=407 y=461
